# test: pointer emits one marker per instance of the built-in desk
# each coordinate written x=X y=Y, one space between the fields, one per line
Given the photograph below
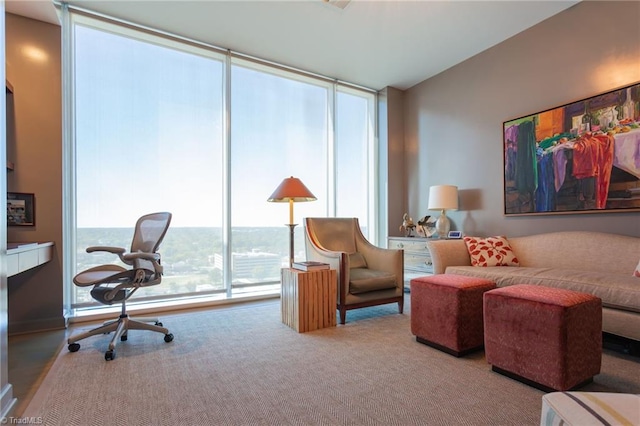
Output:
x=24 y=256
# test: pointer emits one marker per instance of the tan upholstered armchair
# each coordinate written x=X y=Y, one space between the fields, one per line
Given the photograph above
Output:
x=367 y=275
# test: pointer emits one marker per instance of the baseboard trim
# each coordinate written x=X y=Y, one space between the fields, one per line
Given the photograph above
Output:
x=34 y=326
x=7 y=402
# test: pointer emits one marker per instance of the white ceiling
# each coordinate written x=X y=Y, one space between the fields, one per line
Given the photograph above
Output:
x=371 y=43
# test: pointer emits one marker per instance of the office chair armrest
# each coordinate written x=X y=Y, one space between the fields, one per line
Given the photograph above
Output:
x=114 y=250
x=130 y=258
x=152 y=257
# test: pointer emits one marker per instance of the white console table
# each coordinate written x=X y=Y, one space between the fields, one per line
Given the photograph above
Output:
x=24 y=256
x=417 y=259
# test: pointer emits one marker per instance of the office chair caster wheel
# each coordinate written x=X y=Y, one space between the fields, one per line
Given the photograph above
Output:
x=74 y=347
x=109 y=355
x=159 y=324
x=168 y=337
x=123 y=338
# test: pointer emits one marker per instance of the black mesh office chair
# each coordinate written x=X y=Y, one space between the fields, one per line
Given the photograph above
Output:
x=115 y=284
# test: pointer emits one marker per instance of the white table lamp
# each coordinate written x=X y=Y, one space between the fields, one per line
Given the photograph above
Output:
x=443 y=198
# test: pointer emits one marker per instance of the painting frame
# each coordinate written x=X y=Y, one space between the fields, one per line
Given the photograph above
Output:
x=580 y=157
x=21 y=209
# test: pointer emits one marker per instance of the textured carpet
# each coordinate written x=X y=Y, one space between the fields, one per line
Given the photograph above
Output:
x=241 y=366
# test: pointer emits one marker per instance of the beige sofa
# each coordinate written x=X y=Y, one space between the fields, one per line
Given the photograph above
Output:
x=591 y=262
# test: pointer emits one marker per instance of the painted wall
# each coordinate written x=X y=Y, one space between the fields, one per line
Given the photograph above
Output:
x=33 y=67
x=397 y=182
x=453 y=121
x=7 y=400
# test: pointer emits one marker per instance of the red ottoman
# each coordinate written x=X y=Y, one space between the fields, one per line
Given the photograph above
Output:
x=446 y=312
x=546 y=337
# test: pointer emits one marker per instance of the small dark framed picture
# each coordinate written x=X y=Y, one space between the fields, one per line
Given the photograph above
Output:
x=454 y=234
x=21 y=209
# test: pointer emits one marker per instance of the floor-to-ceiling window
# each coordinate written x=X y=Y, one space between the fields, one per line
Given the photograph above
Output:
x=159 y=124
x=148 y=137
x=279 y=128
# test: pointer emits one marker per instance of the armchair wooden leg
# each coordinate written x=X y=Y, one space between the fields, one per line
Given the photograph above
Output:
x=401 y=305
x=343 y=315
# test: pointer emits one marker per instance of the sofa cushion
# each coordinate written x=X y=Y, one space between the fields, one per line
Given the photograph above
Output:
x=588 y=251
x=491 y=251
x=362 y=280
x=501 y=276
x=616 y=290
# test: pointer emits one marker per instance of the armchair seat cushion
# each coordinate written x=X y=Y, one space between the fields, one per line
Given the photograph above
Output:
x=363 y=280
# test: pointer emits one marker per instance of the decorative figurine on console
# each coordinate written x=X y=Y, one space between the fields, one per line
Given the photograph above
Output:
x=407 y=225
x=427 y=226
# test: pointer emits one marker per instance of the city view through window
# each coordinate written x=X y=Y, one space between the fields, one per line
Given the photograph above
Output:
x=192 y=264
x=190 y=260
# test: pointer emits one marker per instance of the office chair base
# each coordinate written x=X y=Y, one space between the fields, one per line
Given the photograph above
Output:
x=121 y=326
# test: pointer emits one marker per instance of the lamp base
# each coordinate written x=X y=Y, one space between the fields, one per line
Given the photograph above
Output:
x=291 y=232
x=443 y=225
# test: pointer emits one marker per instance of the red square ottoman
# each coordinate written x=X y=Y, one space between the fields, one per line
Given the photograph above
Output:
x=546 y=337
x=446 y=312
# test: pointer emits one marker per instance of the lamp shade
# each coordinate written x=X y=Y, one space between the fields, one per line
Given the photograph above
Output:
x=291 y=189
x=443 y=197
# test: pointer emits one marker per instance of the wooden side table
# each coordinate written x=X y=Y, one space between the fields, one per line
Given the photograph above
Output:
x=308 y=299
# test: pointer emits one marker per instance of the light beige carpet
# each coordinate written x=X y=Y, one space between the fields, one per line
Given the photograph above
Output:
x=242 y=366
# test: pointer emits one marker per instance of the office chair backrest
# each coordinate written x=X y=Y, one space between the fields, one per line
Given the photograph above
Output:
x=149 y=233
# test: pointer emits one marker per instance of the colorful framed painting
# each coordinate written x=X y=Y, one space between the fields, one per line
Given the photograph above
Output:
x=582 y=157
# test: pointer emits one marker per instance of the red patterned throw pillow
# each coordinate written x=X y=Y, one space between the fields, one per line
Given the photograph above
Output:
x=636 y=273
x=491 y=251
